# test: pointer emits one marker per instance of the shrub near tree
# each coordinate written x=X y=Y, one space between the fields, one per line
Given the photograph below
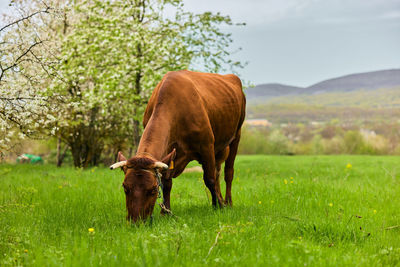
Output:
x=98 y=62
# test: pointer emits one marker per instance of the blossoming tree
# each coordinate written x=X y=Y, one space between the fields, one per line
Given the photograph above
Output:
x=92 y=71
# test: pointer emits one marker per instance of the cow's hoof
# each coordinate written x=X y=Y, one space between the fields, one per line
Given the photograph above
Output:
x=228 y=203
x=220 y=205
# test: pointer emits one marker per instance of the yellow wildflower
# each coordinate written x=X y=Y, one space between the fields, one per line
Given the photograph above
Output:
x=330 y=204
x=91 y=230
x=375 y=211
x=291 y=182
x=348 y=166
x=259 y=202
x=26 y=251
x=291 y=178
x=285 y=181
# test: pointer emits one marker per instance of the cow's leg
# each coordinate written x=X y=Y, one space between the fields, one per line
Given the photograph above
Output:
x=219 y=159
x=167 y=186
x=208 y=164
x=217 y=183
x=233 y=147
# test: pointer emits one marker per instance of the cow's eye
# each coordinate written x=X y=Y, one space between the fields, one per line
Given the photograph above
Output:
x=153 y=191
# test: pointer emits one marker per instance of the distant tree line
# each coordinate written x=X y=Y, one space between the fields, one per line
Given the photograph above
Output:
x=335 y=137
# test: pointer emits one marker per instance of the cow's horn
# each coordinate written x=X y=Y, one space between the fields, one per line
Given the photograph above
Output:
x=118 y=164
x=160 y=165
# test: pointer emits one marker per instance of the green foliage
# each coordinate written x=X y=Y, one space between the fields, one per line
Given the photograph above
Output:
x=278 y=143
x=316 y=145
x=254 y=141
x=116 y=54
x=354 y=142
x=327 y=215
x=321 y=139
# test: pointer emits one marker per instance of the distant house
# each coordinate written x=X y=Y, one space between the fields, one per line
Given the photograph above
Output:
x=258 y=123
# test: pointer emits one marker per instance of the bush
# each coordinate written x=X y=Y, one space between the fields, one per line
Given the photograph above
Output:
x=317 y=147
x=335 y=145
x=257 y=141
x=253 y=141
x=278 y=144
x=354 y=142
x=275 y=142
x=303 y=148
x=376 y=144
x=365 y=142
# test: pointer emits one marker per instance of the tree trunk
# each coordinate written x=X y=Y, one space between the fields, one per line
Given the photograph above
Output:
x=58 y=151
x=86 y=148
x=60 y=155
x=76 y=155
x=136 y=135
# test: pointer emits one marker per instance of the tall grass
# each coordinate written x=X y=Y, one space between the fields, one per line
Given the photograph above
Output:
x=290 y=211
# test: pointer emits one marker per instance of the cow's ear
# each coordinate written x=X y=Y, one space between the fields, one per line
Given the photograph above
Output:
x=169 y=159
x=120 y=156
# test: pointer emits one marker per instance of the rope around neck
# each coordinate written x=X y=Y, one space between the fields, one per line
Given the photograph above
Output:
x=160 y=193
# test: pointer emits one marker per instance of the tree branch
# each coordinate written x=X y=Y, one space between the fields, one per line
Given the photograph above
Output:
x=25 y=18
x=18 y=59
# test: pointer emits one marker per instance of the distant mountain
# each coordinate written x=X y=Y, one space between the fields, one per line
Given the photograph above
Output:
x=367 y=81
x=272 y=90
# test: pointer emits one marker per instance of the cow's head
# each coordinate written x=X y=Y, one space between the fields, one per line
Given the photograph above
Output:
x=140 y=183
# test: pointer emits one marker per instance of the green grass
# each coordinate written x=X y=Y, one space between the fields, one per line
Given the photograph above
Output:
x=328 y=216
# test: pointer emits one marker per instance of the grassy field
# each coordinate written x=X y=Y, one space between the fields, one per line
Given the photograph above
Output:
x=288 y=211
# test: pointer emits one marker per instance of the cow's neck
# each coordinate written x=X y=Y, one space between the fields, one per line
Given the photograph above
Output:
x=155 y=139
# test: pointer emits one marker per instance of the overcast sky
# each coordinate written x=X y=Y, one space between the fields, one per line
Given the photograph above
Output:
x=301 y=42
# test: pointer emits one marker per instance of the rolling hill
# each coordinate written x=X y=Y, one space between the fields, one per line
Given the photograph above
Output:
x=354 y=82
x=370 y=96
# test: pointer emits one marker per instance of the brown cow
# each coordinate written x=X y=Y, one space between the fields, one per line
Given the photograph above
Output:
x=190 y=116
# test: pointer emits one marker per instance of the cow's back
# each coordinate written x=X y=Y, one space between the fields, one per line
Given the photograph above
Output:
x=197 y=104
